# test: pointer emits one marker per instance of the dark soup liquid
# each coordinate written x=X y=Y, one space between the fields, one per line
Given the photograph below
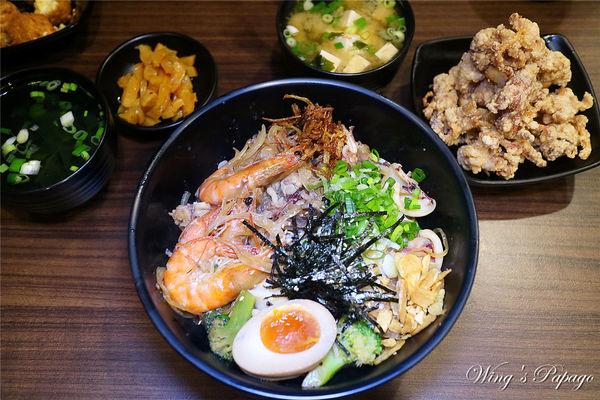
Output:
x=49 y=130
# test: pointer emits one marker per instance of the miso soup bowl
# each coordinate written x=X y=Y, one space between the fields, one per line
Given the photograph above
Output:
x=374 y=79
x=82 y=184
x=208 y=137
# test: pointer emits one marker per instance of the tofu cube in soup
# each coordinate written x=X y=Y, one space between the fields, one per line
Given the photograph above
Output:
x=348 y=18
x=331 y=58
x=356 y=64
x=386 y=52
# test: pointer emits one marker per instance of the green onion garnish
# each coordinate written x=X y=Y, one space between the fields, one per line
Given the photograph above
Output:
x=70 y=129
x=15 y=179
x=3 y=168
x=338 y=45
x=85 y=113
x=73 y=86
x=65 y=87
x=389 y=3
x=290 y=41
x=374 y=156
x=52 y=85
x=418 y=175
x=86 y=156
x=99 y=132
x=80 y=135
x=287 y=33
x=80 y=149
x=15 y=165
x=327 y=18
x=6 y=131
x=360 y=23
x=73 y=168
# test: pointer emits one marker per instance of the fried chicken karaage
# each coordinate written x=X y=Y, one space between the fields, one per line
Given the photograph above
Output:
x=496 y=104
x=17 y=27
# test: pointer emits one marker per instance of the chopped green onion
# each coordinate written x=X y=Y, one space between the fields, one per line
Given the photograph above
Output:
x=73 y=168
x=36 y=94
x=15 y=179
x=287 y=33
x=99 y=132
x=6 y=131
x=80 y=135
x=96 y=140
x=15 y=165
x=8 y=148
x=308 y=4
x=73 y=86
x=374 y=156
x=79 y=149
x=22 y=136
x=86 y=156
x=52 y=85
x=389 y=3
x=70 y=129
x=397 y=233
x=418 y=175
x=3 y=168
x=65 y=87
x=291 y=41
x=327 y=18
x=85 y=113
x=360 y=23
x=338 y=45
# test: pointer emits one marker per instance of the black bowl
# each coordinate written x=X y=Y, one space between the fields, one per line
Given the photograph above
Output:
x=122 y=59
x=438 y=56
x=374 y=79
x=199 y=144
x=82 y=184
x=53 y=40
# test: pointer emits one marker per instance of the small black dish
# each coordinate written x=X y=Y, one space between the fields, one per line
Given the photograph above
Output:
x=122 y=59
x=374 y=79
x=82 y=184
x=195 y=149
x=438 y=56
x=45 y=43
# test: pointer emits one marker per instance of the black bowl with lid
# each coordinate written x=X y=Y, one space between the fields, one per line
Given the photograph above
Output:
x=79 y=186
x=374 y=79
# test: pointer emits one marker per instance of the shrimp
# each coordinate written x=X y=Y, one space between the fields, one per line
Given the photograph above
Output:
x=205 y=224
x=224 y=185
x=190 y=286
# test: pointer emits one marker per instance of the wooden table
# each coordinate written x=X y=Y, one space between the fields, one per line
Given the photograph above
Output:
x=72 y=324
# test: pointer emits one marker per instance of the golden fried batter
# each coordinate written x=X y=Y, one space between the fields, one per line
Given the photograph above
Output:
x=497 y=106
x=27 y=26
x=57 y=11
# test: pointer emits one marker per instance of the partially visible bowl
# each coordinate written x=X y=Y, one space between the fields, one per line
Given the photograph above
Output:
x=45 y=43
x=122 y=59
x=81 y=185
x=373 y=79
x=208 y=137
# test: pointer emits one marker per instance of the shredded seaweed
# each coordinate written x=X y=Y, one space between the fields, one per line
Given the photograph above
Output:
x=323 y=265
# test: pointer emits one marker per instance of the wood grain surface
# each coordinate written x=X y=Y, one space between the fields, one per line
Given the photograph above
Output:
x=71 y=322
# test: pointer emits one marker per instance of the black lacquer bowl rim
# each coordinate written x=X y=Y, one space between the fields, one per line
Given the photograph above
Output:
x=425 y=349
x=480 y=181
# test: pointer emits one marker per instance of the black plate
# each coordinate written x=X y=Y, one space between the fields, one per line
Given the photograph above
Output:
x=438 y=56
x=122 y=59
x=374 y=79
x=201 y=142
x=42 y=44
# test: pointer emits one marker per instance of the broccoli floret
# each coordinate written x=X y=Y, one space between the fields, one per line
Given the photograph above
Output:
x=223 y=327
x=359 y=344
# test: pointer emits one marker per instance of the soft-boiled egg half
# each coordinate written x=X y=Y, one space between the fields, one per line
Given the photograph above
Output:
x=285 y=340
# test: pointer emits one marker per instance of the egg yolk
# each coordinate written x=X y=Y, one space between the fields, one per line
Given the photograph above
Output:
x=289 y=330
